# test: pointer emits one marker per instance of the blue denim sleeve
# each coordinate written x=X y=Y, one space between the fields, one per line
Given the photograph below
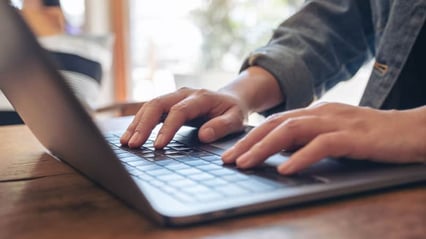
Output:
x=323 y=43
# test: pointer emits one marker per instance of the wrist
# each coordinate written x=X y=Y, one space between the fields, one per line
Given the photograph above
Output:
x=256 y=88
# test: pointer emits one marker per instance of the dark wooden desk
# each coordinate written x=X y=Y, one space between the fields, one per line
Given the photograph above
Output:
x=43 y=198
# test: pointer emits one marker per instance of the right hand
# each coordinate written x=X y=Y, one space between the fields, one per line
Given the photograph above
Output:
x=223 y=114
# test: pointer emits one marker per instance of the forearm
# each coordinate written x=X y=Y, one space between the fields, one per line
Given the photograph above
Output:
x=323 y=43
x=256 y=88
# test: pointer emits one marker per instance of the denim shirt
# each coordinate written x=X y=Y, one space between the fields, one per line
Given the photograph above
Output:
x=328 y=41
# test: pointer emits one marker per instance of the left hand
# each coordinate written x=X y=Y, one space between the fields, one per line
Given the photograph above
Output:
x=334 y=130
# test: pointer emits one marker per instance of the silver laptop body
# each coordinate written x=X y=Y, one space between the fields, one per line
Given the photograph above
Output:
x=181 y=185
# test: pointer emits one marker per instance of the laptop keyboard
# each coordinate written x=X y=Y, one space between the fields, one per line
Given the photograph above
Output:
x=191 y=174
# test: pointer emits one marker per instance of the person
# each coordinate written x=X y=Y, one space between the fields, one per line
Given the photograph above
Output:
x=45 y=17
x=323 y=43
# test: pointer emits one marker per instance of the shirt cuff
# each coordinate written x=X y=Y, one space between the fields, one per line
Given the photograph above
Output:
x=293 y=76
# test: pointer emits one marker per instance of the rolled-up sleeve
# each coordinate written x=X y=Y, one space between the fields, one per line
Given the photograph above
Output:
x=323 y=43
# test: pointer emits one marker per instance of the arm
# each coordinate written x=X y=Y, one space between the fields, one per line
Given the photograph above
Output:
x=224 y=112
x=335 y=130
x=322 y=44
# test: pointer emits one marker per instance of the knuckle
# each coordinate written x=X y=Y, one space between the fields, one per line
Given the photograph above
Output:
x=292 y=124
x=359 y=125
x=202 y=93
x=154 y=103
x=140 y=125
x=182 y=107
x=326 y=106
x=236 y=117
x=274 y=119
x=336 y=109
x=184 y=89
x=230 y=123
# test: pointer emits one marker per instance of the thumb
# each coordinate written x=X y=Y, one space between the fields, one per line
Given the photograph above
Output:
x=230 y=122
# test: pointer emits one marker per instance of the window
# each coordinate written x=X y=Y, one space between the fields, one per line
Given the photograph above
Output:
x=196 y=43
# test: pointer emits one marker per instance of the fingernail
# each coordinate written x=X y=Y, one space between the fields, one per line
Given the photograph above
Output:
x=134 y=139
x=159 y=141
x=285 y=169
x=244 y=161
x=227 y=156
x=208 y=135
x=125 y=136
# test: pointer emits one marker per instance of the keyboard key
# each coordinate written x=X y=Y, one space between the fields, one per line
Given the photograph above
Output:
x=208 y=167
x=187 y=158
x=196 y=162
x=199 y=153
x=144 y=177
x=129 y=158
x=147 y=167
x=167 y=161
x=222 y=171
x=140 y=162
x=132 y=170
x=178 y=166
x=192 y=174
x=182 y=183
x=256 y=186
x=235 y=177
x=114 y=141
x=160 y=157
x=158 y=172
x=171 y=177
x=214 y=182
x=157 y=183
x=196 y=189
x=211 y=158
x=200 y=176
x=188 y=171
x=232 y=190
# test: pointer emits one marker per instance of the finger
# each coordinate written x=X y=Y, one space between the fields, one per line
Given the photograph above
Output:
x=187 y=109
x=149 y=116
x=258 y=133
x=127 y=135
x=336 y=144
x=244 y=144
x=292 y=133
x=231 y=121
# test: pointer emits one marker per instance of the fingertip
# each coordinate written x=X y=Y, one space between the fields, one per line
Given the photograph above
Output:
x=207 y=135
x=135 y=140
x=228 y=156
x=160 y=141
x=218 y=127
x=245 y=161
x=124 y=139
x=286 y=169
x=293 y=165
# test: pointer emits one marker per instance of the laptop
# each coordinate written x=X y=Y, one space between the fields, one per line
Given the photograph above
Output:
x=184 y=184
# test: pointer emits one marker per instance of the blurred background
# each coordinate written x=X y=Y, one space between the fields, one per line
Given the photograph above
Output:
x=147 y=48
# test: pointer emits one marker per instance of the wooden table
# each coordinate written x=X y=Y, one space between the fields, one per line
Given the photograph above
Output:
x=41 y=197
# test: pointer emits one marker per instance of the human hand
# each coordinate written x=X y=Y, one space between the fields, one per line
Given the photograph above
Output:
x=334 y=130
x=223 y=113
